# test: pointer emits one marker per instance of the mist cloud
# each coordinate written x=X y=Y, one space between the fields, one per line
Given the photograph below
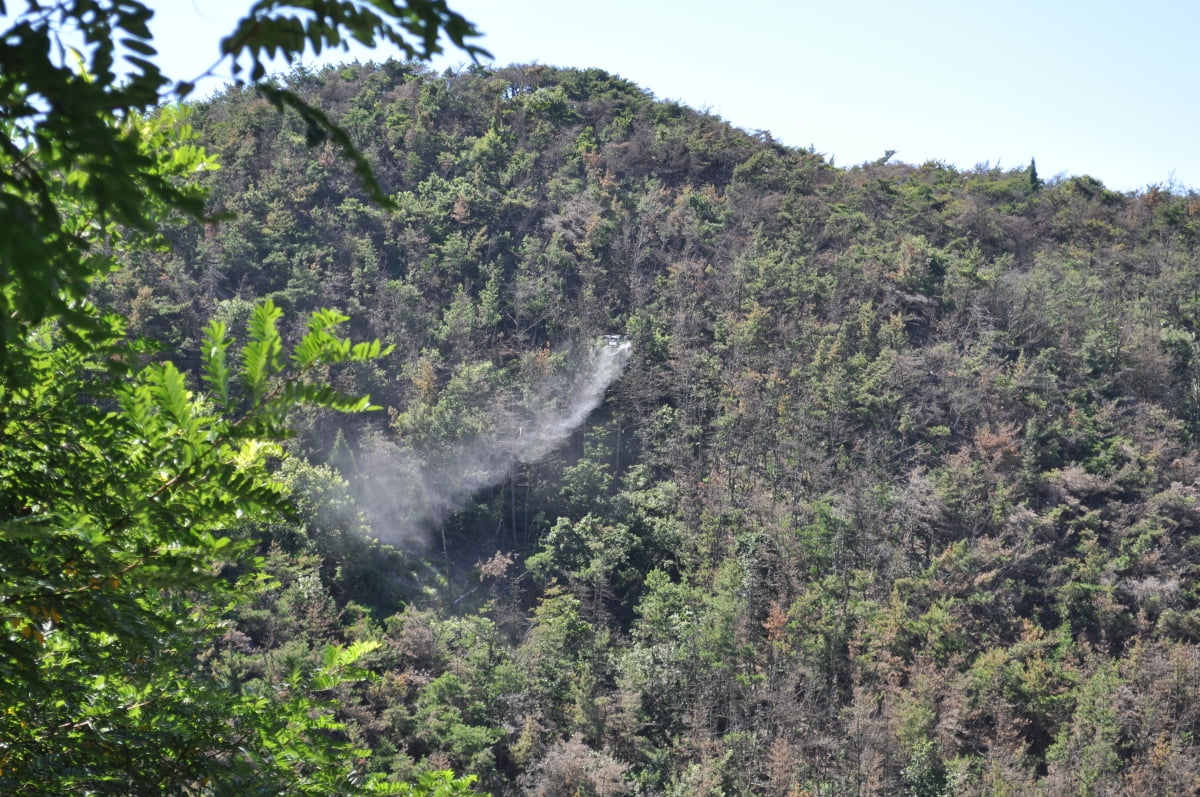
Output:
x=404 y=493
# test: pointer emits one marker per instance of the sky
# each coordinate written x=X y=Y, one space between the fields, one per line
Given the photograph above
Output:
x=1103 y=88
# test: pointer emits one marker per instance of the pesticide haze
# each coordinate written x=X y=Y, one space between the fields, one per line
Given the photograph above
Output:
x=406 y=491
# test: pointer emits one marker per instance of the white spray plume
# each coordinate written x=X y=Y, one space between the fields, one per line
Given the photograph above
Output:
x=404 y=493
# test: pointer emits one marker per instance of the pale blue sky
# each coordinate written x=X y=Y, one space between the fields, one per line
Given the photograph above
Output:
x=1103 y=88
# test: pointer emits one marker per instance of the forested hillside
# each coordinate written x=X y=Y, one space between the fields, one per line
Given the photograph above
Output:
x=896 y=493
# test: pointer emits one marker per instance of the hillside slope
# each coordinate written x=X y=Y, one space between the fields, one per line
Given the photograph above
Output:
x=896 y=491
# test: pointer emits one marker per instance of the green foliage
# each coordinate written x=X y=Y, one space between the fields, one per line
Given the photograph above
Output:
x=73 y=175
x=122 y=488
x=895 y=494
x=125 y=487
x=901 y=460
x=926 y=775
x=440 y=783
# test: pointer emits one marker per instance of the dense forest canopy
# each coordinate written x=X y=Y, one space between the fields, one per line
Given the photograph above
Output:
x=896 y=492
x=861 y=480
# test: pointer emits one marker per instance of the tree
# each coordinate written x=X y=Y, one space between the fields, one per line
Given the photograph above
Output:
x=122 y=485
x=122 y=493
x=79 y=168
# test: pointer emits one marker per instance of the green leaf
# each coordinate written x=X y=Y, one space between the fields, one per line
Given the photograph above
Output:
x=260 y=356
x=213 y=359
x=169 y=390
x=139 y=46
